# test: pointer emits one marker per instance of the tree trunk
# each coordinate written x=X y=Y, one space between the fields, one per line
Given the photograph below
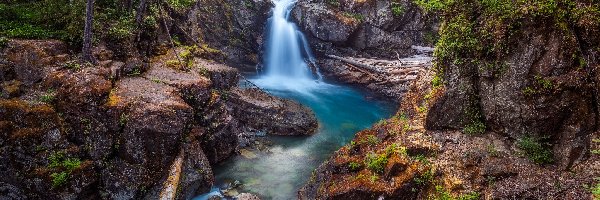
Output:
x=87 y=32
x=140 y=12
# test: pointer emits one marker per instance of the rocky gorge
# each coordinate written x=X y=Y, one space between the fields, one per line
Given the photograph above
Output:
x=498 y=100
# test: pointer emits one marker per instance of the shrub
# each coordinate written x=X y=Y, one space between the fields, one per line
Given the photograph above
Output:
x=376 y=162
x=536 y=150
x=372 y=140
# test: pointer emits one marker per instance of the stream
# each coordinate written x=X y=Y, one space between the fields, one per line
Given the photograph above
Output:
x=342 y=111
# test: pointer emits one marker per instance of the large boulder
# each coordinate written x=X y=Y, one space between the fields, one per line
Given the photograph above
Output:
x=276 y=116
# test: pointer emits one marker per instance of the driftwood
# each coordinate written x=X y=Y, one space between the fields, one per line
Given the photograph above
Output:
x=405 y=70
x=355 y=63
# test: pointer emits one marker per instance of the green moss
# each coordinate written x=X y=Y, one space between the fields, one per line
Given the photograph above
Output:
x=536 y=149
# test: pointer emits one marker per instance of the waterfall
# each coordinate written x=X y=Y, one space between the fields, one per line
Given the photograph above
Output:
x=287 y=53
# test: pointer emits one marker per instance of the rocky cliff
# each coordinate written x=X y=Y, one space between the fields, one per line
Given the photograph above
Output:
x=381 y=30
x=72 y=130
x=509 y=111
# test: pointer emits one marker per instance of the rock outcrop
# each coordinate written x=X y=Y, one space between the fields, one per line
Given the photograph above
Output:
x=386 y=31
x=400 y=159
x=125 y=130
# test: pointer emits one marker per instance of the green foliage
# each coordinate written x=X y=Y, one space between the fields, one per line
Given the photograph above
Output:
x=122 y=29
x=437 y=80
x=356 y=16
x=536 y=150
x=376 y=162
x=59 y=179
x=475 y=32
x=397 y=9
x=442 y=194
x=72 y=65
x=354 y=166
x=476 y=127
x=55 y=159
x=425 y=178
x=372 y=140
x=42 y=19
x=58 y=160
x=48 y=97
x=596 y=189
x=3 y=42
x=71 y=163
x=179 y=4
x=123 y=119
x=335 y=3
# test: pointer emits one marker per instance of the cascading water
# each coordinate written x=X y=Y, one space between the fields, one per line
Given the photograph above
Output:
x=278 y=173
x=287 y=53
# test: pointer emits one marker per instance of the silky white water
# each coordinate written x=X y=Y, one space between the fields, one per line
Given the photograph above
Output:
x=341 y=111
x=287 y=53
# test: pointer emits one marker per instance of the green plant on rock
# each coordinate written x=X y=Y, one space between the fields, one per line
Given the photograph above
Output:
x=356 y=16
x=3 y=42
x=48 y=97
x=596 y=189
x=376 y=162
x=372 y=140
x=536 y=149
x=354 y=166
x=425 y=178
x=397 y=9
x=64 y=165
x=334 y=3
x=476 y=127
x=179 y=4
x=59 y=179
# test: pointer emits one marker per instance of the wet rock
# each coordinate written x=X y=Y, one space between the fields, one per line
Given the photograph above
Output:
x=154 y=119
x=247 y=154
x=247 y=196
x=197 y=173
x=277 y=116
x=232 y=26
x=222 y=77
